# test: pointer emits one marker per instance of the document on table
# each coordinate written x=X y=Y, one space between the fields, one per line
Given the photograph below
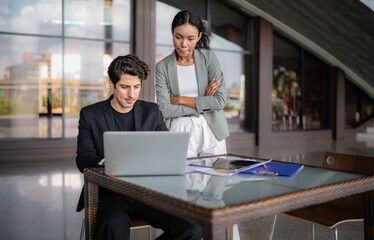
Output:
x=222 y=166
x=213 y=171
x=195 y=164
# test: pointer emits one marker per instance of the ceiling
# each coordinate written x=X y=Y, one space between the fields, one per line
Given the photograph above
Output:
x=340 y=32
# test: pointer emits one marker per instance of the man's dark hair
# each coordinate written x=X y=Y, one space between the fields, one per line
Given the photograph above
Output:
x=129 y=64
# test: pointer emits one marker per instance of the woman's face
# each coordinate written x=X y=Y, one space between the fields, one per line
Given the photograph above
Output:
x=185 y=38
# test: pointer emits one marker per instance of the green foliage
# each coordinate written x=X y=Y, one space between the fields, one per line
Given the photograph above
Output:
x=5 y=105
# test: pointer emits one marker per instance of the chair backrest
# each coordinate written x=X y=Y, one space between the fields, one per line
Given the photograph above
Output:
x=350 y=208
x=349 y=163
x=347 y=209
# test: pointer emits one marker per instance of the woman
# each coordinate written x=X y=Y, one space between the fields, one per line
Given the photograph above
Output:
x=190 y=86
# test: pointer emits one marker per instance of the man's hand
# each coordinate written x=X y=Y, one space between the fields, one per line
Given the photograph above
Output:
x=212 y=87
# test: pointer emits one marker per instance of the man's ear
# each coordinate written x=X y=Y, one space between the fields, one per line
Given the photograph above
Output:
x=111 y=85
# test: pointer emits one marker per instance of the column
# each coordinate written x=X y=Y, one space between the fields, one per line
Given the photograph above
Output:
x=145 y=42
x=338 y=125
x=263 y=58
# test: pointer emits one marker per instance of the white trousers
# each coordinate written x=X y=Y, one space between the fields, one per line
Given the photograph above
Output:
x=202 y=142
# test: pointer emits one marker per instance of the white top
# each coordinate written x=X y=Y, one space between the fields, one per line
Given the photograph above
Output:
x=187 y=81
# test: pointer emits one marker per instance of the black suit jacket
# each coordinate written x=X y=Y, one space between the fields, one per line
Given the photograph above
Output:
x=98 y=118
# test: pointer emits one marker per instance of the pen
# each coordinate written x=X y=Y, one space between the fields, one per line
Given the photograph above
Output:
x=265 y=173
x=223 y=170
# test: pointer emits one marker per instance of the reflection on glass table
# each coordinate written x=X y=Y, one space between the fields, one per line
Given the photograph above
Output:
x=217 y=191
x=216 y=203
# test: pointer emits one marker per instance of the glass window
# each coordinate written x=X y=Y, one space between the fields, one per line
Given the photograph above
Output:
x=232 y=65
x=98 y=19
x=299 y=101
x=197 y=5
x=86 y=79
x=30 y=87
x=45 y=79
x=367 y=109
x=229 y=42
x=233 y=27
x=31 y=16
x=286 y=92
x=352 y=114
x=315 y=93
x=359 y=107
x=164 y=16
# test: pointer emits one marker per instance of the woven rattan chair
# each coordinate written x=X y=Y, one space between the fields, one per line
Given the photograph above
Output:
x=93 y=204
x=136 y=224
x=342 y=210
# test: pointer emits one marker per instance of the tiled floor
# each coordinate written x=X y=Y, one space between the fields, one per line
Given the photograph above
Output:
x=38 y=198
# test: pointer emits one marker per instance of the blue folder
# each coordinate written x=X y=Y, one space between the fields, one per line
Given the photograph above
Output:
x=276 y=169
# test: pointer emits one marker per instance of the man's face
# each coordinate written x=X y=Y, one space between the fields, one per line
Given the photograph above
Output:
x=126 y=92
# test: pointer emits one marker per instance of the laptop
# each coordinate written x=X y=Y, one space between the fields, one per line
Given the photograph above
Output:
x=145 y=153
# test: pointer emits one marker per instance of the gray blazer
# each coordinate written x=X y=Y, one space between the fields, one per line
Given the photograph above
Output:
x=207 y=67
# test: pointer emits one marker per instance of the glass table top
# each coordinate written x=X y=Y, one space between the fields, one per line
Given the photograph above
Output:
x=217 y=191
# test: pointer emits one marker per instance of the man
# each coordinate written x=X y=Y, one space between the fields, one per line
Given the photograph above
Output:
x=124 y=112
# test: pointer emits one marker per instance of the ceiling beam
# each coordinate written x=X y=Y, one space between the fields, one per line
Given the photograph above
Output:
x=307 y=43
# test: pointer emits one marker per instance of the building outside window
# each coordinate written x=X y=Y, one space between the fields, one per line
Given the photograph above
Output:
x=53 y=65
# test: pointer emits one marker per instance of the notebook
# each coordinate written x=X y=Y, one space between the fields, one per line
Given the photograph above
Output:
x=145 y=153
x=276 y=169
